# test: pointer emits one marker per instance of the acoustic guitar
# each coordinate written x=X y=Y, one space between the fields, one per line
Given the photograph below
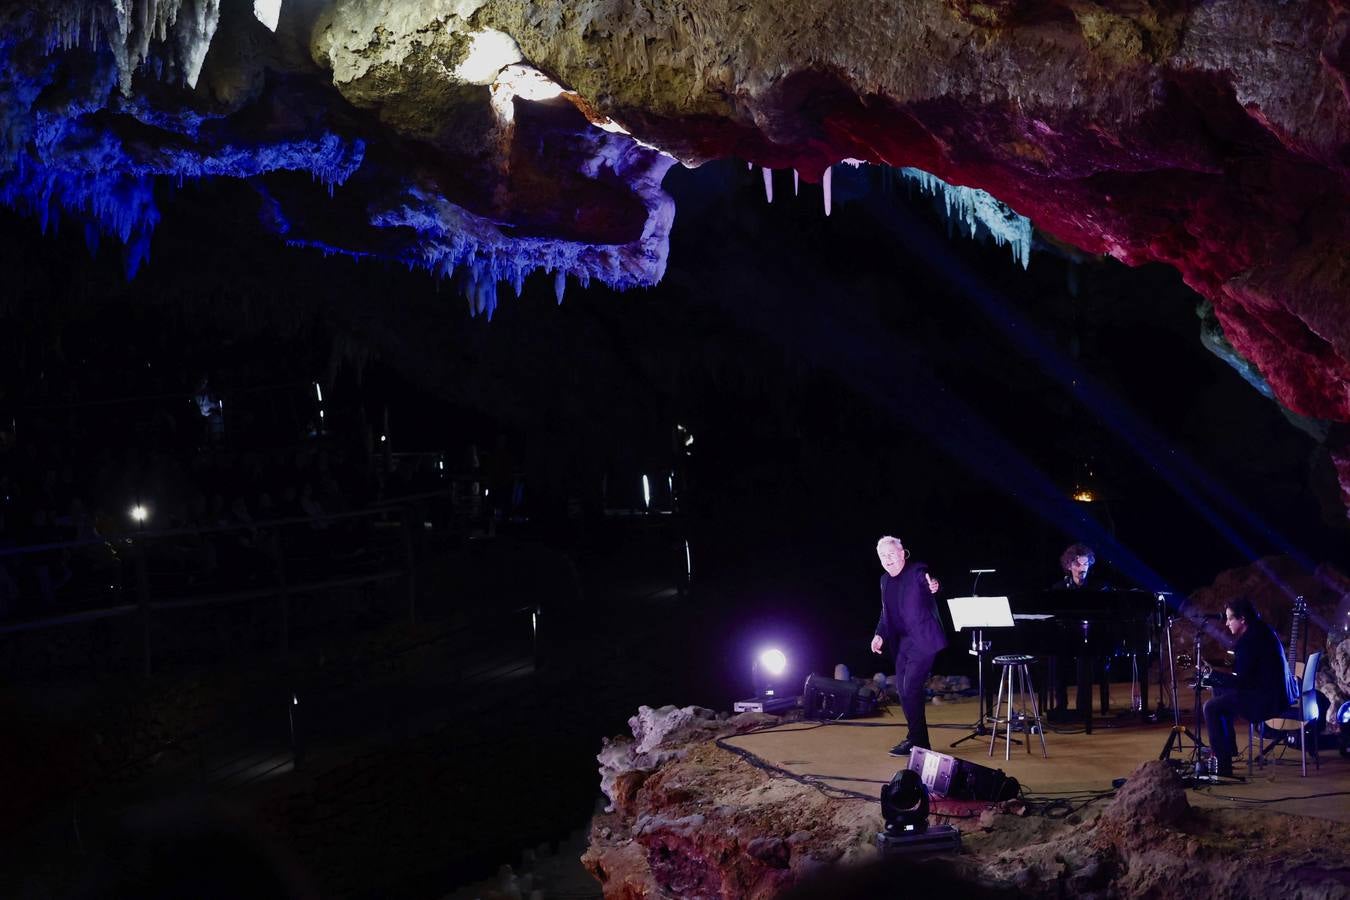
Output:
x=1298 y=646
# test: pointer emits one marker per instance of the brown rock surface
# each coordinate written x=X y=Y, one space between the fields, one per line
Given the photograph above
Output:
x=710 y=823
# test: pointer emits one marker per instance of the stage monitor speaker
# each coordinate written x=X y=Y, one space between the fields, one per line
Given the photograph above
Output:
x=947 y=776
x=830 y=698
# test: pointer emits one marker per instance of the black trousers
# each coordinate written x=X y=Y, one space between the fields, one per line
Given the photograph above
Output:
x=1221 y=714
x=912 y=668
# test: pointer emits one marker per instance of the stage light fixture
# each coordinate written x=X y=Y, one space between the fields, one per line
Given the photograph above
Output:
x=904 y=809
x=139 y=513
x=904 y=803
x=768 y=675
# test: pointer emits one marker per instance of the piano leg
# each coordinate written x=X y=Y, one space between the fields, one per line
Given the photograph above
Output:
x=1058 y=675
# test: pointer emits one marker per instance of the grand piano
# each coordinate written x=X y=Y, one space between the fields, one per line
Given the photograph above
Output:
x=1085 y=624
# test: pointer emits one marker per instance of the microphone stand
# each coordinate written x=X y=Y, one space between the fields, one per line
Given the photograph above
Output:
x=1177 y=738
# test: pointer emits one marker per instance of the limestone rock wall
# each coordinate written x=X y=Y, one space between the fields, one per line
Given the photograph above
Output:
x=495 y=138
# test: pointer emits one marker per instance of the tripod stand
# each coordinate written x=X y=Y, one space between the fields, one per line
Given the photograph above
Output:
x=979 y=613
x=1177 y=738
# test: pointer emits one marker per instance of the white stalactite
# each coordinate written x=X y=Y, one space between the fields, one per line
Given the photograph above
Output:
x=768 y=184
x=795 y=179
x=825 y=184
x=973 y=207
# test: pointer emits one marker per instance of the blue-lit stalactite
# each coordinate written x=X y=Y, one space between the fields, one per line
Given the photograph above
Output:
x=64 y=156
x=100 y=120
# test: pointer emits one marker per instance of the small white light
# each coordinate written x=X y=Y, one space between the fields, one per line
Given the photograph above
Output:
x=773 y=661
x=646 y=492
x=383 y=438
x=318 y=391
x=320 y=414
x=139 y=513
x=688 y=562
x=295 y=701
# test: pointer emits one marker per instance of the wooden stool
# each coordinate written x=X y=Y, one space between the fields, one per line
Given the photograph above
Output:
x=1016 y=679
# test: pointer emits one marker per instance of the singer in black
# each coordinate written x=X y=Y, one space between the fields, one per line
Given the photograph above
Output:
x=910 y=628
x=1259 y=688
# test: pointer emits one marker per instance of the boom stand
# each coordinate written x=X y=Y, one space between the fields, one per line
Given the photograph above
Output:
x=1162 y=622
x=1176 y=740
x=977 y=614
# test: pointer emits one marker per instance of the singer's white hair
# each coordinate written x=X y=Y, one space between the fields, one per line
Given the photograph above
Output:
x=899 y=545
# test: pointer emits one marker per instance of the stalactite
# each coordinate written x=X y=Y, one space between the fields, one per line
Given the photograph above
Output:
x=975 y=208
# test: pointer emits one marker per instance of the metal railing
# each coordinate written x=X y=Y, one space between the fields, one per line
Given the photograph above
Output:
x=159 y=571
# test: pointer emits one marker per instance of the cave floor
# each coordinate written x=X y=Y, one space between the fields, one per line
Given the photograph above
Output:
x=852 y=755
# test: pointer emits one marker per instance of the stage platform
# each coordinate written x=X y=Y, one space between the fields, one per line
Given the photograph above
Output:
x=852 y=755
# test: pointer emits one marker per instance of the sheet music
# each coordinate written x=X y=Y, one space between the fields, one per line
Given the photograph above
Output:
x=980 y=612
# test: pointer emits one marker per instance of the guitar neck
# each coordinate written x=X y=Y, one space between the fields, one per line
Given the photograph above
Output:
x=1295 y=654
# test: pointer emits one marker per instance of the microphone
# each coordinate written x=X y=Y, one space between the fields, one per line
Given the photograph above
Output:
x=982 y=571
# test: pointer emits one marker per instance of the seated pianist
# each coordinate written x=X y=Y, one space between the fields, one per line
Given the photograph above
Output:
x=1076 y=562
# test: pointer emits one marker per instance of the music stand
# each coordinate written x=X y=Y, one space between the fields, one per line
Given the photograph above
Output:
x=977 y=614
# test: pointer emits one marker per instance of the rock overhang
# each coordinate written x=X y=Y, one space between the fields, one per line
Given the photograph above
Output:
x=1211 y=137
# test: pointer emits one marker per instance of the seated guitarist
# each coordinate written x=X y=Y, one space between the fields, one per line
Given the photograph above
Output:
x=1259 y=687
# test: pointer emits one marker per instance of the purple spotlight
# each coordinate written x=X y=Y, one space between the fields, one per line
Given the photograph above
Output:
x=769 y=675
x=773 y=661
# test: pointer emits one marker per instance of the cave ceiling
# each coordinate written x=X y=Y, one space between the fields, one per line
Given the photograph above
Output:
x=487 y=140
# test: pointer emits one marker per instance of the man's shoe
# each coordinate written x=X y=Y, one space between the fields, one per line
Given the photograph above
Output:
x=902 y=749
